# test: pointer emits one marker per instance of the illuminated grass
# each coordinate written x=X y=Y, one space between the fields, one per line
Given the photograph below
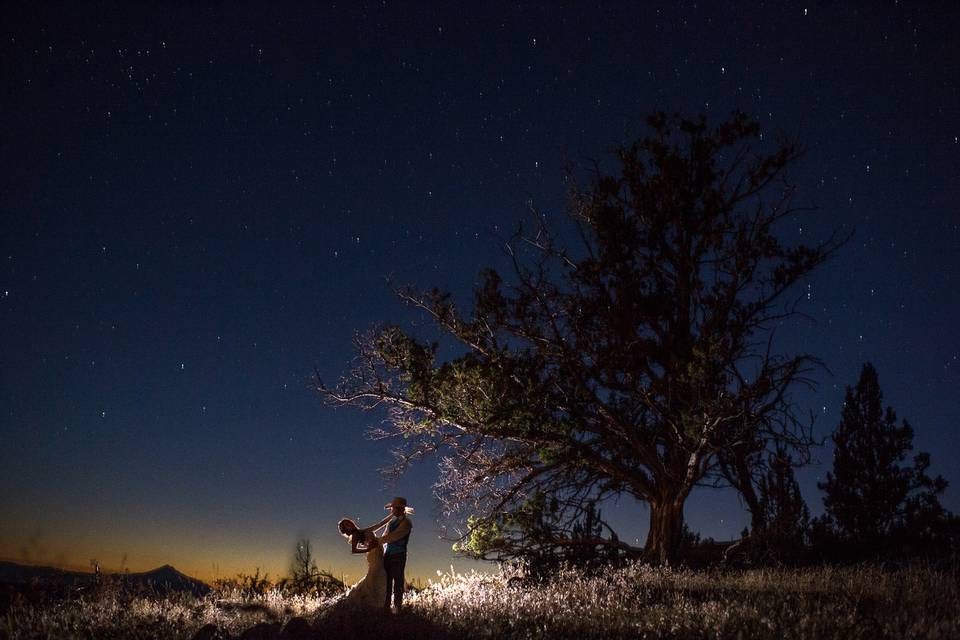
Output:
x=112 y=615
x=631 y=602
x=640 y=601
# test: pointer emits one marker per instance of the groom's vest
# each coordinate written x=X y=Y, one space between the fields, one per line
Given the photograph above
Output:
x=397 y=546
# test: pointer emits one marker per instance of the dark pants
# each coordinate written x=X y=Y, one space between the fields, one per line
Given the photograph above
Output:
x=394 y=564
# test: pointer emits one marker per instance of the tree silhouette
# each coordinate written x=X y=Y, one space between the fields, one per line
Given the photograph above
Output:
x=303 y=568
x=305 y=578
x=785 y=517
x=624 y=365
x=873 y=493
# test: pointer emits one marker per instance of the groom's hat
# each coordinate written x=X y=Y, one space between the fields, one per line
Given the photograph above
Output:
x=399 y=502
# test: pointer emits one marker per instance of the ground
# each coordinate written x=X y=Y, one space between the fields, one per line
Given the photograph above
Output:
x=866 y=601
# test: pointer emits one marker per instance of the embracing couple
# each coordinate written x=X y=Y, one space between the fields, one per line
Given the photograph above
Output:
x=384 y=566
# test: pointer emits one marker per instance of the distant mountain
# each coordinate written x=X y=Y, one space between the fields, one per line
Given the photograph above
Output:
x=166 y=579
x=162 y=580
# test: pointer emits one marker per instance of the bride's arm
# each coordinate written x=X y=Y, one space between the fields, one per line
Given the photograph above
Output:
x=356 y=548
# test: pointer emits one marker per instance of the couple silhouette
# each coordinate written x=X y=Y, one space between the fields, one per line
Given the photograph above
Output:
x=385 y=545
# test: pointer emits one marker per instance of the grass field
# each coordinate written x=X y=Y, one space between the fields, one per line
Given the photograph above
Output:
x=630 y=602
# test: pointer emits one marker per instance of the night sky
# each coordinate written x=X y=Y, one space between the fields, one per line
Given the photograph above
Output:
x=200 y=205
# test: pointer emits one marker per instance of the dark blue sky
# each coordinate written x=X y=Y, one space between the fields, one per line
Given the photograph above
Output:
x=199 y=205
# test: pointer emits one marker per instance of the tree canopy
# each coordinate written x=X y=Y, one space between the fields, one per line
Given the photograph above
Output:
x=638 y=360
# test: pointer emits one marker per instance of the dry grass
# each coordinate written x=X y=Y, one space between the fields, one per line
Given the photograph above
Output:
x=630 y=602
x=113 y=614
x=639 y=601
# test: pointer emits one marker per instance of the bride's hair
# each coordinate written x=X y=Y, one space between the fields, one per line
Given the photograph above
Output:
x=356 y=534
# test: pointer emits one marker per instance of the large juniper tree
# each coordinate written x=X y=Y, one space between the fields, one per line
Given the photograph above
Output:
x=626 y=364
x=874 y=491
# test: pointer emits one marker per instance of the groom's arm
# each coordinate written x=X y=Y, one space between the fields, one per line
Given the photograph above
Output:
x=374 y=527
x=402 y=529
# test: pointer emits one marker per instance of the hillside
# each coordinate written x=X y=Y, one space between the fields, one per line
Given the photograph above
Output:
x=162 y=580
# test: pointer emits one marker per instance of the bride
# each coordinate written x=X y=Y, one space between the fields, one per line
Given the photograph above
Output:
x=371 y=591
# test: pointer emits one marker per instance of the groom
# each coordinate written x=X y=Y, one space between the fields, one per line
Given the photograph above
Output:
x=395 y=555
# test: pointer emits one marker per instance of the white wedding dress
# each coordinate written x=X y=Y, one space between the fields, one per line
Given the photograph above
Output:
x=371 y=591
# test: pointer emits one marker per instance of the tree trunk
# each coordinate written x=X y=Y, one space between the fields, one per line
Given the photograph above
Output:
x=666 y=526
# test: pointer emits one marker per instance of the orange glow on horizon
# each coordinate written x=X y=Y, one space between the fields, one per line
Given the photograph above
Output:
x=350 y=570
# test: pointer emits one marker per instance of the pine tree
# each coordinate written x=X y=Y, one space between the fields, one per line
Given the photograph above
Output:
x=873 y=494
x=303 y=569
x=785 y=517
